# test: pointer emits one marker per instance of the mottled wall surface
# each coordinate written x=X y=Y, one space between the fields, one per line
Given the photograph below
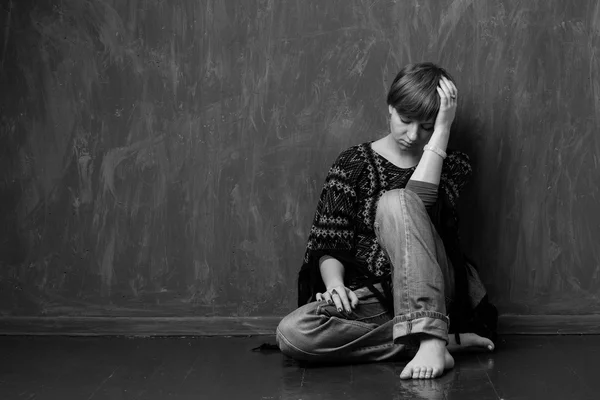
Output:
x=165 y=157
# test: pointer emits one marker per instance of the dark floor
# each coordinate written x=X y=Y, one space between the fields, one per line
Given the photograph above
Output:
x=523 y=367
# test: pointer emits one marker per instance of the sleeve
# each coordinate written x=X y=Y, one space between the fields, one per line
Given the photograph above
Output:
x=456 y=173
x=333 y=225
x=426 y=191
x=332 y=230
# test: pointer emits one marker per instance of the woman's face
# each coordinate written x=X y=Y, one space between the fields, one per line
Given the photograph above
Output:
x=410 y=135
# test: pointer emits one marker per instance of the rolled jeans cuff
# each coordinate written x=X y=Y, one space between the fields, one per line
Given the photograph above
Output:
x=428 y=322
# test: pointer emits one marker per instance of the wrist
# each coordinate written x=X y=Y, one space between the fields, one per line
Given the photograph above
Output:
x=331 y=285
x=440 y=138
x=440 y=152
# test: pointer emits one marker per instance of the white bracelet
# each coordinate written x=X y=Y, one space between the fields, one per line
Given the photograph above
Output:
x=436 y=150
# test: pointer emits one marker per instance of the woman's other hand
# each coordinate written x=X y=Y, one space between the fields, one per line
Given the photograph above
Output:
x=341 y=296
x=448 y=94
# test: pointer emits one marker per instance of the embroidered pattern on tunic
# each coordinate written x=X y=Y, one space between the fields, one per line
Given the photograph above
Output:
x=347 y=205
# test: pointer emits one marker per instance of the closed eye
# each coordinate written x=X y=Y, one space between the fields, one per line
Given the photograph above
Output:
x=426 y=127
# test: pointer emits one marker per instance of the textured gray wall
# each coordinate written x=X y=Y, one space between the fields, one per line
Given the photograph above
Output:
x=165 y=157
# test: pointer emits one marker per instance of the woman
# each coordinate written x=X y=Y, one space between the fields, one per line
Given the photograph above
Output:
x=383 y=275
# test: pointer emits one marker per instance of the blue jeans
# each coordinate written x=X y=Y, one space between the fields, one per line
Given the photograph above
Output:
x=423 y=288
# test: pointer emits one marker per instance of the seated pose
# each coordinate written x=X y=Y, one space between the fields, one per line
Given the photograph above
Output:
x=383 y=276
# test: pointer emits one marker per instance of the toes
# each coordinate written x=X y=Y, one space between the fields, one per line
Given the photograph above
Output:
x=486 y=343
x=406 y=373
x=429 y=373
x=483 y=342
x=416 y=372
x=423 y=373
x=435 y=373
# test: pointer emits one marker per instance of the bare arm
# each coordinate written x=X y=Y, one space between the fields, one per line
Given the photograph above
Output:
x=332 y=273
x=429 y=168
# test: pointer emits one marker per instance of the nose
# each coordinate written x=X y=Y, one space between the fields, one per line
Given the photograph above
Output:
x=413 y=131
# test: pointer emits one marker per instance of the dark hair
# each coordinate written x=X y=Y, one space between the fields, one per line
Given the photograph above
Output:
x=414 y=91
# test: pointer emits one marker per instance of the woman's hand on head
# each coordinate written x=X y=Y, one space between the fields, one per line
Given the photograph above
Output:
x=341 y=296
x=448 y=93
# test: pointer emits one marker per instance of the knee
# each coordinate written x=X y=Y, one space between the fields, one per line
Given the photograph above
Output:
x=285 y=331
x=389 y=201
x=398 y=200
x=292 y=334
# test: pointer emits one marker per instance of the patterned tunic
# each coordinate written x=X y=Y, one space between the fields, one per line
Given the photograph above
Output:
x=343 y=225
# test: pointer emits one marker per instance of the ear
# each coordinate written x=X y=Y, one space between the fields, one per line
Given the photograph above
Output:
x=390 y=109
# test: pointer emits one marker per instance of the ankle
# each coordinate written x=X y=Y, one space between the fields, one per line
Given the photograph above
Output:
x=431 y=341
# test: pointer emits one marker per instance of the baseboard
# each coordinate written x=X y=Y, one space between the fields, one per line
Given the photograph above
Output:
x=246 y=326
x=549 y=324
x=139 y=326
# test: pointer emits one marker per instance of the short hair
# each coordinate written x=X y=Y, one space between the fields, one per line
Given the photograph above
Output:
x=413 y=92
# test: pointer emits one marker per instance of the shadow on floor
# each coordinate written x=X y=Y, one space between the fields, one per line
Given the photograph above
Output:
x=522 y=367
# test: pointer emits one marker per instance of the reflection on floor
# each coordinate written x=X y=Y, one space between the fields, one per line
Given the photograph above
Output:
x=522 y=367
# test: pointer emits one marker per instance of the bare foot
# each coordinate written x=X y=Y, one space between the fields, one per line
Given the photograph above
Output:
x=469 y=342
x=430 y=361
